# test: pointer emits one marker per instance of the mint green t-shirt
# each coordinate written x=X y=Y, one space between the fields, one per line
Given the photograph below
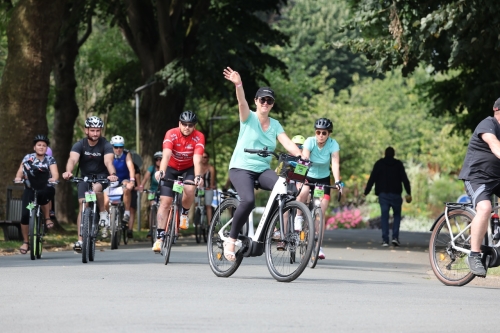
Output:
x=320 y=157
x=253 y=137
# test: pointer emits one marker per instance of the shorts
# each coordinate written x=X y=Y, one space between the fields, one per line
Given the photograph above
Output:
x=209 y=197
x=480 y=191
x=166 y=186
x=84 y=187
x=325 y=181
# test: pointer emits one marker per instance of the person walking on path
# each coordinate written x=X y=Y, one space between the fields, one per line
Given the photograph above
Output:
x=388 y=173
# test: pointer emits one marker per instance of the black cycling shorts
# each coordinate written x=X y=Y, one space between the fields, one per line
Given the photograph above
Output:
x=478 y=191
x=84 y=187
x=324 y=181
x=166 y=186
x=43 y=197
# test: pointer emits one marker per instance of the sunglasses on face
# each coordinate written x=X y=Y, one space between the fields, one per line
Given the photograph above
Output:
x=117 y=147
x=264 y=100
x=205 y=156
x=158 y=160
x=321 y=132
x=190 y=125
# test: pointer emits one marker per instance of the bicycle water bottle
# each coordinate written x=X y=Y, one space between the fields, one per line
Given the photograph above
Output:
x=495 y=226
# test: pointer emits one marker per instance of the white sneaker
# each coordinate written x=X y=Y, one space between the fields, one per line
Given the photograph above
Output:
x=298 y=222
x=104 y=223
x=321 y=254
x=157 y=246
x=276 y=235
x=184 y=223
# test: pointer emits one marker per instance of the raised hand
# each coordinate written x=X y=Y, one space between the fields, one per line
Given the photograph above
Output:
x=231 y=75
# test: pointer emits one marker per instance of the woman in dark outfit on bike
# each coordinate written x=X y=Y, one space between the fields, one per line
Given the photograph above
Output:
x=38 y=168
x=257 y=130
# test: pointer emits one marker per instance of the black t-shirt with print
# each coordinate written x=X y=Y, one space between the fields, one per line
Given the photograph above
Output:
x=480 y=163
x=92 y=157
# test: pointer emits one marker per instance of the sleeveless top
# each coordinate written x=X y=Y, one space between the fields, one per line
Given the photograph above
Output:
x=206 y=178
x=120 y=164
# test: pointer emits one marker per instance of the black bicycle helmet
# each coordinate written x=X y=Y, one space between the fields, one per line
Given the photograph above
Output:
x=188 y=117
x=323 y=123
x=41 y=137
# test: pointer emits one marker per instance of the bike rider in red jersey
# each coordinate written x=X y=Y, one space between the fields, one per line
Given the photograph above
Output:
x=183 y=149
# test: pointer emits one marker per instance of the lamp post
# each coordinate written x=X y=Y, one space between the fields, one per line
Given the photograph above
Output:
x=137 y=144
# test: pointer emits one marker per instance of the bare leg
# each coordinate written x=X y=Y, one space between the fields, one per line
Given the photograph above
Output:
x=479 y=224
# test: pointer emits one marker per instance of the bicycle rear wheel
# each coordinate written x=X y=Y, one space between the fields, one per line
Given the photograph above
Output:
x=319 y=229
x=197 y=225
x=215 y=247
x=115 y=224
x=86 y=216
x=153 y=223
x=279 y=251
x=450 y=265
x=33 y=234
x=168 y=240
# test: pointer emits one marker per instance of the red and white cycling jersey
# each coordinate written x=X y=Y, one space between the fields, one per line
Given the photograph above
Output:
x=183 y=147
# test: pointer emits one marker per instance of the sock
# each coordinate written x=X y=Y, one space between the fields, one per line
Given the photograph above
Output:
x=160 y=233
x=472 y=253
x=184 y=211
x=127 y=212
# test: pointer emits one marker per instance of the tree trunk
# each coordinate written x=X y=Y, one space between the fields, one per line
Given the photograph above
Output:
x=66 y=108
x=32 y=33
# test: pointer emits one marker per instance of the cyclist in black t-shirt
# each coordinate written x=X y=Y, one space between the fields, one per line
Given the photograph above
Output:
x=95 y=157
x=481 y=176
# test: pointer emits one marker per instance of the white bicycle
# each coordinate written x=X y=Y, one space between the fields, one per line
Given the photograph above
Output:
x=287 y=250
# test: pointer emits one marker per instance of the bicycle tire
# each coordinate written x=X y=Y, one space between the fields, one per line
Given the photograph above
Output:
x=86 y=234
x=220 y=266
x=168 y=240
x=113 y=218
x=204 y=227
x=197 y=225
x=319 y=230
x=153 y=223
x=123 y=230
x=39 y=238
x=32 y=234
x=443 y=259
x=278 y=261
x=94 y=230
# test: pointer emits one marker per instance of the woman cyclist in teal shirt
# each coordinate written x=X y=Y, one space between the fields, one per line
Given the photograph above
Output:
x=323 y=152
x=257 y=130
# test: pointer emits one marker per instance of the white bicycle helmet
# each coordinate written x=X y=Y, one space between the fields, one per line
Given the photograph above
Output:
x=158 y=154
x=117 y=141
x=94 y=122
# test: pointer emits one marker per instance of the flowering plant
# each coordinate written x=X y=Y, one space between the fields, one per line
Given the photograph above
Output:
x=344 y=218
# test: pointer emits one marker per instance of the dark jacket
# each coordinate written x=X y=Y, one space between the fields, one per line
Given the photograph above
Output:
x=388 y=174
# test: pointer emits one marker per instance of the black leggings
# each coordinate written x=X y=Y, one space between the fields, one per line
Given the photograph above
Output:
x=44 y=197
x=243 y=182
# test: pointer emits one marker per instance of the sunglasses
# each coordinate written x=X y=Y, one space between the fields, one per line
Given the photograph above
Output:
x=322 y=133
x=117 y=147
x=158 y=160
x=264 y=100
x=205 y=156
x=190 y=125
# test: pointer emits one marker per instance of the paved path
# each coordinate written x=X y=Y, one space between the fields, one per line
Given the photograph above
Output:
x=360 y=287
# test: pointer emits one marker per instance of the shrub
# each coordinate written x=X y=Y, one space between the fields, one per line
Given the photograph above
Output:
x=345 y=218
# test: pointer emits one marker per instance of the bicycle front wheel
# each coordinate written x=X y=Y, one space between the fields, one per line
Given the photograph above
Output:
x=39 y=237
x=33 y=234
x=298 y=243
x=168 y=240
x=94 y=230
x=450 y=265
x=319 y=229
x=86 y=216
x=215 y=246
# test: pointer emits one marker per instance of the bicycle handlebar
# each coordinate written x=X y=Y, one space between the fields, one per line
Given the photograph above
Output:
x=329 y=186
x=89 y=180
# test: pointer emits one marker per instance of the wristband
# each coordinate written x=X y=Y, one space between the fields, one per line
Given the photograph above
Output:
x=132 y=180
x=239 y=85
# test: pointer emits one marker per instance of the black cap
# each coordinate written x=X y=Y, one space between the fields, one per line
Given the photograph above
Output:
x=265 y=92
x=496 y=106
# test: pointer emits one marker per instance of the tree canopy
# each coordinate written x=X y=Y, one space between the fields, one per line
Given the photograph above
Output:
x=453 y=38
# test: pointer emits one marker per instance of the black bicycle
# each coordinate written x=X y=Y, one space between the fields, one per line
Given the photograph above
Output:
x=89 y=226
x=153 y=212
x=200 y=217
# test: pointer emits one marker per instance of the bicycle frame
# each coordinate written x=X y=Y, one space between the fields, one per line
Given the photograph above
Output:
x=278 y=197
x=461 y=232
